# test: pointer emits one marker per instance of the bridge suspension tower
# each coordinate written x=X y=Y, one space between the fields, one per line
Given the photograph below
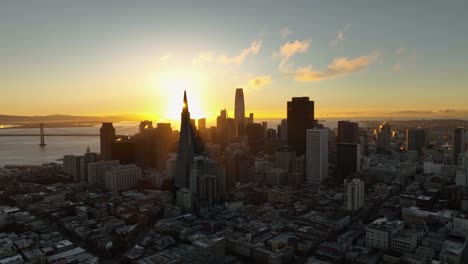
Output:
x=41 y=134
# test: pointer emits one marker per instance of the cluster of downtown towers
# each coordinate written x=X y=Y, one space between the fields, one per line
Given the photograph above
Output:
x=299 y=141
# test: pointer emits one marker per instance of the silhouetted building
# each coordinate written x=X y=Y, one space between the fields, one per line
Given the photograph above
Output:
x=317 y=156
x=415 y=139
x=221 y=128
x=145 y=125
x=250 y=119
x=207 y=180
x=107 y=137
x=348 y=132
x=458 y=144
x=123 y=149
x=255 y=137
x=187 y=148
x=348 y=160
x=384 y=134
x=239 y=113
x=300 y=115
x=163 y=145
x=236 y=164
x=283 y=131
x=231 y=129
x=201 y=123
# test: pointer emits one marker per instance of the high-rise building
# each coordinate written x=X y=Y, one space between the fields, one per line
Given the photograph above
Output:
x=204 y=179
x=239 y=113
x=123 y=149
x=284 y=160
x=76 y=166
x=171 y=164
x=250 y=119
x=458 y=144
x=348 y=132
x=97 y=171
x=163 y=145
x=283 y=131
x=348 y=160
x=107 y=136
x=354 y=194
x=145 y=125
x=122 y=178
x=317 y=156
x=300 y=115
x=255 y=137
x=221 y=127
x=384 y=134
x=187 y=148
x=146 y=145
x=415 y=139
x=201 y=123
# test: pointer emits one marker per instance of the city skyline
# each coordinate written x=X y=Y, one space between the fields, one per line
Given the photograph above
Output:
x=96 y=59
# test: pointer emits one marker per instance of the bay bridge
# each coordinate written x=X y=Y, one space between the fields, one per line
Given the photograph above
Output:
x=61 y=133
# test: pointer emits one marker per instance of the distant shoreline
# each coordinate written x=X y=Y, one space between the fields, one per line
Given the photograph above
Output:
x=49 y=125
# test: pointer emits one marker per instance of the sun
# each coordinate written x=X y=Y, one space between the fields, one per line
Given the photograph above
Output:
x=171 y=86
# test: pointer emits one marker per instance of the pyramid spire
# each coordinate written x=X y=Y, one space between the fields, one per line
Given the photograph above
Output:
x=185 y=101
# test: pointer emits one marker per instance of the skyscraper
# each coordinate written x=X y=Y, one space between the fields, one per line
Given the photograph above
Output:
x=221 y=127
x=107 y=136
x=186 y=150
x=201 y=123
x=255 y=137
x=415 y=139
x=283 y=131
x=354 y=194
x=384 y=134
x=458 y=143
x=239 y=113
x=300 y=115
x=348 y=132
x=348 y=160
x=317 y=155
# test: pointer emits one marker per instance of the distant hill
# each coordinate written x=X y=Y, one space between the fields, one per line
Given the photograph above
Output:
x=22 y=120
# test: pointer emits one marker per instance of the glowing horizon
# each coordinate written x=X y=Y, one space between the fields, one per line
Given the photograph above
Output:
x=131 y=59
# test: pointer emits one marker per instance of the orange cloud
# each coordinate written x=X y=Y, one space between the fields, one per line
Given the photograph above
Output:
x=288 y=50
x=338 y=66
x=259 y=81
x=252 y=50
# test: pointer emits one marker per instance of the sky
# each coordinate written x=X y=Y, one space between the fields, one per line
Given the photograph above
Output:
x=353 y=58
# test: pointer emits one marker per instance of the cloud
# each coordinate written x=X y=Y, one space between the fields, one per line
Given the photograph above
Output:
x=253 y=49
x=164 y=59
x=259 y=82
x=340 y=36
x=285 y=32
x=202 y=58
x=339 y=66
x=288 y=50
x=210 y=56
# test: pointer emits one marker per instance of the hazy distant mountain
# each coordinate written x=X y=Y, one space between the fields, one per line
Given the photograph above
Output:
x=12 y=119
